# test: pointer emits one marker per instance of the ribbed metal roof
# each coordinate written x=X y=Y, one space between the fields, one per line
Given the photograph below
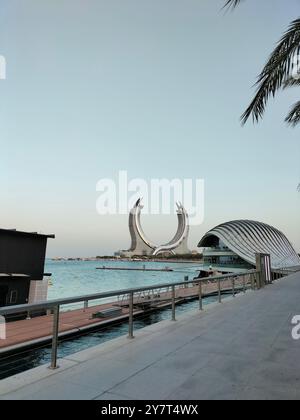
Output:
x=247 y=237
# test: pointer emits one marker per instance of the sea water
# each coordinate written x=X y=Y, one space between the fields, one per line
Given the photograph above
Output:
x=74 y=278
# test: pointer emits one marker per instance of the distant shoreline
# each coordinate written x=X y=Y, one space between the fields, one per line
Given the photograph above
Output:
x=139 y=260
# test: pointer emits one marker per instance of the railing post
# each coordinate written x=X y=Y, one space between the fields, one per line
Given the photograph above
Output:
x=259 y=281
x=130 y=332
x=263 y=266
x=55 y=338
x=233 y=286
x=244 y=284
x=219 y=291
x=200 y=296
x=173 y=304
x=253 y=281
x=86 y=305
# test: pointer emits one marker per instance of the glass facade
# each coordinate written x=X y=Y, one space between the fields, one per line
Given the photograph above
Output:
x=224 y=260
x=219 y=254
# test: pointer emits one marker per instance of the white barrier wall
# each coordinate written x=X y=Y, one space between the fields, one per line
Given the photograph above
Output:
x=38 y=290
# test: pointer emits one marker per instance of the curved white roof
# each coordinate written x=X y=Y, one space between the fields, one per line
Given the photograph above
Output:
x=247 y=237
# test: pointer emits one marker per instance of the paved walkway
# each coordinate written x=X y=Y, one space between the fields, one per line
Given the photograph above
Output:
x=241 y=349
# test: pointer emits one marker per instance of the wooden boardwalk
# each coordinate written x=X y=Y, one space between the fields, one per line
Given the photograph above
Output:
x=39 y=329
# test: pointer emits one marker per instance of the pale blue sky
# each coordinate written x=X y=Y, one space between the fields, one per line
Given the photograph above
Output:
x=152 y=86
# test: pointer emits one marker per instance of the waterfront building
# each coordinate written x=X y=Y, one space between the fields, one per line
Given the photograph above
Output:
x=22 y=262
x=236 y=244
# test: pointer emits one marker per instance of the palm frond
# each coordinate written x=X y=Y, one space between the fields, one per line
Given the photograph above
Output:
x=291 y=82
x=275 y=72
x=293 y=117
x=232 y=4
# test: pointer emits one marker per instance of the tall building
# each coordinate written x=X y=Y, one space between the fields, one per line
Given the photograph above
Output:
x=142 y=246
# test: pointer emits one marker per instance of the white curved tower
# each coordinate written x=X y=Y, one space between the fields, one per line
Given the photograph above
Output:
x=141 y=245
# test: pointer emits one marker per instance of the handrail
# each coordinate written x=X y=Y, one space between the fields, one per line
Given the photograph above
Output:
x=55 y=305
x=255 y=280
x=50 y=304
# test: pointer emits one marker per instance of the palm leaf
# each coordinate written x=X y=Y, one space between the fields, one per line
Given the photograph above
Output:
x=291 y=82
x=293 y=117
x=275 y=72
x=232 y=3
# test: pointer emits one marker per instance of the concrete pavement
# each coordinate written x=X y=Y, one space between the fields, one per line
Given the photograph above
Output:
x=240 y=349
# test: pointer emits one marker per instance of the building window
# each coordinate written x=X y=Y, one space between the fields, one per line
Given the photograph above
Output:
x=13 y=297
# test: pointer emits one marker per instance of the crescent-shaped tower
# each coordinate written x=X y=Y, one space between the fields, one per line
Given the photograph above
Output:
x=142 y=246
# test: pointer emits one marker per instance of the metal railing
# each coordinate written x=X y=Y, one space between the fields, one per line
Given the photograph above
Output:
x=239 y=282
x=283 y=272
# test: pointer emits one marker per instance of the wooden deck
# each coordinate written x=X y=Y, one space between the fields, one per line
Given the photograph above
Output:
x=39 y=329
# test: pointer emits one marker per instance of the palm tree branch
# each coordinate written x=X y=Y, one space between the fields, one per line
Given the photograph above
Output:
x=293 y=117
x=232 y=4
x=275 y=72
x=291 y=82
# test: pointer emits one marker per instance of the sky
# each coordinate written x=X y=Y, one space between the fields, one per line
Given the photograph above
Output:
x=155 y=88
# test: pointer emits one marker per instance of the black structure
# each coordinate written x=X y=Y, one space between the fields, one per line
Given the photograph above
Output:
x=14 y=289
x=22 y=260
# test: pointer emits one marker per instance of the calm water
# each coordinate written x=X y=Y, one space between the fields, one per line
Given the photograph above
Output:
x=72 y=278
